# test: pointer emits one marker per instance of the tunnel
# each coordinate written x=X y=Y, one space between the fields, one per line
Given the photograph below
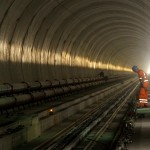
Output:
x=60 y=59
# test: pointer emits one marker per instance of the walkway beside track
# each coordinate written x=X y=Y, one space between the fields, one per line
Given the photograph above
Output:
x=141 y=138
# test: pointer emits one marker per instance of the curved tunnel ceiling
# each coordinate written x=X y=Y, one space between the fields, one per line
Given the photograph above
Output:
x=55 y=39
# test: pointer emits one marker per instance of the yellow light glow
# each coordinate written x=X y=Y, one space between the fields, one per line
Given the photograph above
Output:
x=50 y=110
x=38 y=56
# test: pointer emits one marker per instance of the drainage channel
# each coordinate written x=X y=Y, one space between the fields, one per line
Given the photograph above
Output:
x=75 y=132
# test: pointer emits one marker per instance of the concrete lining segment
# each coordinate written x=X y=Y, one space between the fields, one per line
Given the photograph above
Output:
x=94 y=17
x=37 y=31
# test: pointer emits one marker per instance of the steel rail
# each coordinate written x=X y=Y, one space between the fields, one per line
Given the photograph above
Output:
x=54 y=145
x=72 y=125
x=107 y=123
x=92 y=125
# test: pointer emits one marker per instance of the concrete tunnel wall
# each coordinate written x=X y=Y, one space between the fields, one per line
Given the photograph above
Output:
x=56 y=39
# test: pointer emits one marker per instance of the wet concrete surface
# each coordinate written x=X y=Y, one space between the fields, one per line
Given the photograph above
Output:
x=141 y=138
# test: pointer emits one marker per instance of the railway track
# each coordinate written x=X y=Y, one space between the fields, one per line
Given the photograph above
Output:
x=103 y=126
x=70 y=136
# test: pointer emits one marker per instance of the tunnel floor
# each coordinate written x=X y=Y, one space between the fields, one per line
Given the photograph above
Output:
x=141 y=138
x=50 y=134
